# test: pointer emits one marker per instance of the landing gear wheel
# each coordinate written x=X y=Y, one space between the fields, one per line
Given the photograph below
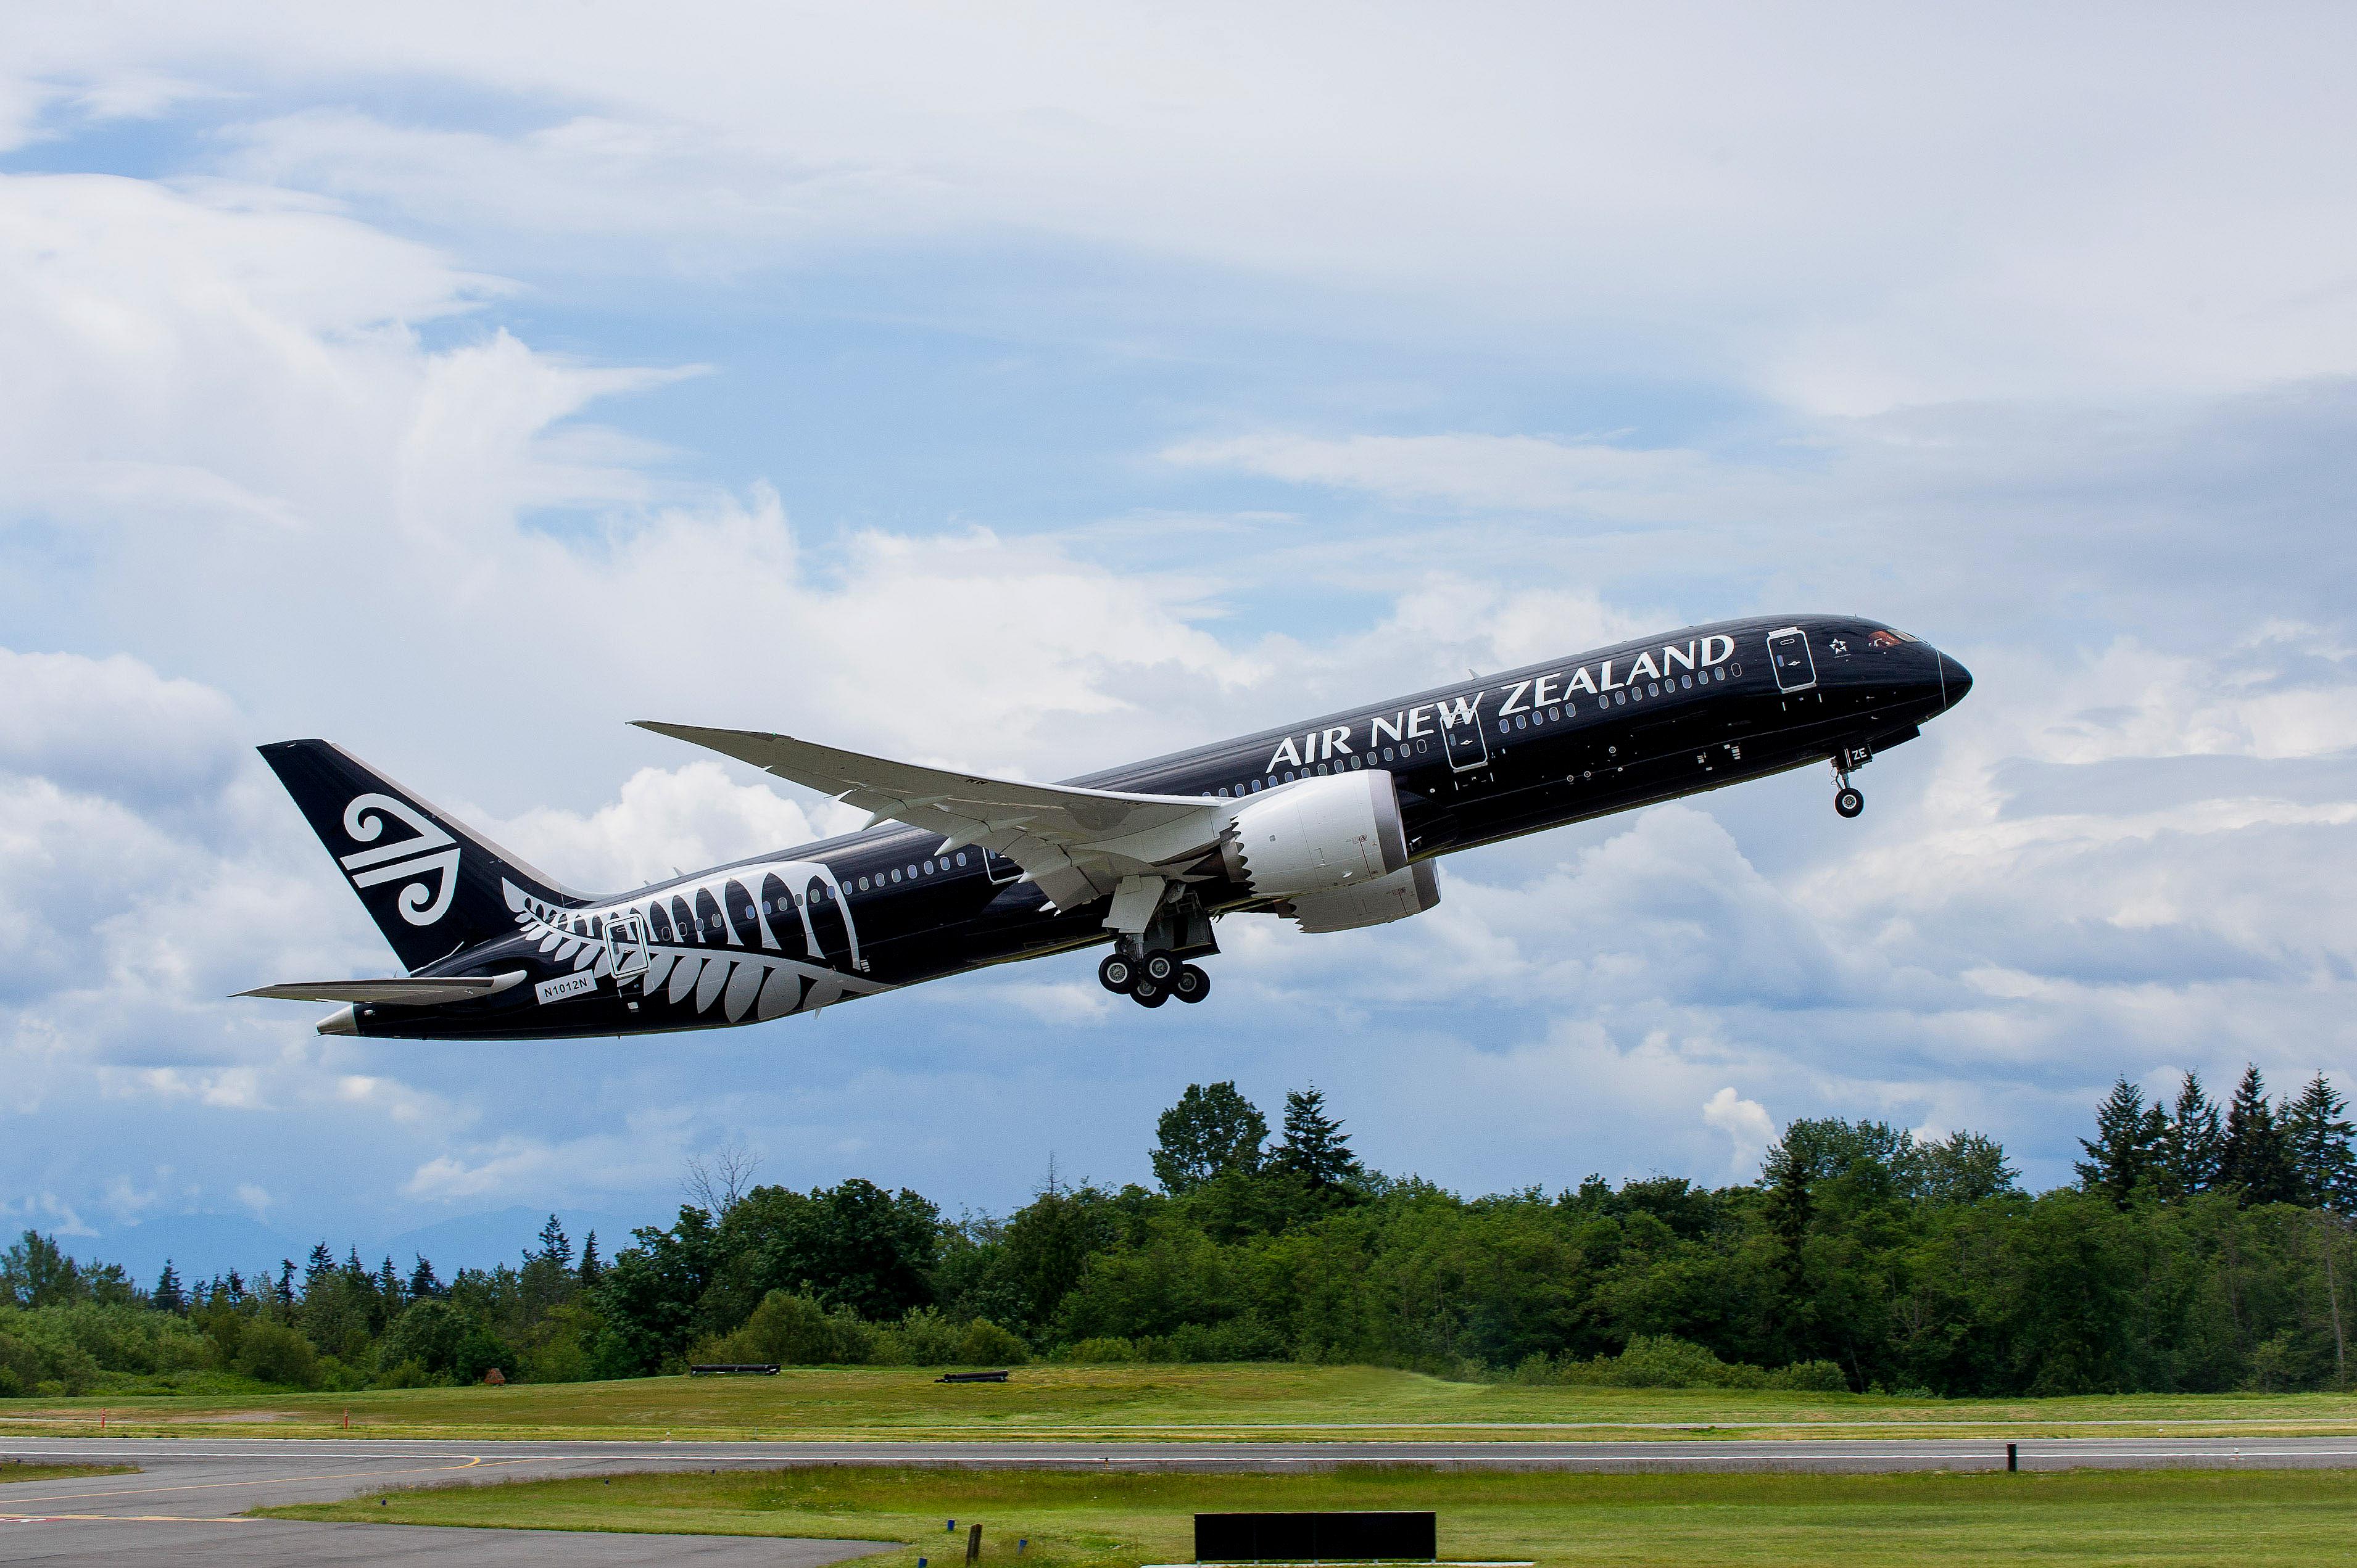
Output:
x=1849 y=801
x=1192 y=984
x=1145 y=993
x=1117 y=973
x=1159 y=966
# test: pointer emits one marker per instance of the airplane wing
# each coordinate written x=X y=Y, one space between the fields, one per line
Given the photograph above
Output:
x=398 y=992
x=1077 y=844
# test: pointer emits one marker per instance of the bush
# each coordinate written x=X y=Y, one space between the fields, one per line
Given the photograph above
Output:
x=795 y=1331
x=923 y=1338
x=1100 y=1352
x=273 y=1353
x=408 y=1375
x=1666 y=1361
x=985 y=1344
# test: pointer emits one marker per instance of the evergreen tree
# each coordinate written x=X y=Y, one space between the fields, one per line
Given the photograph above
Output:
x=591 y=1269
x=1315 y=1146
x=317 y=1268
x=2122 y=1157
x=167 y=1296
x=423 y=1286
x=286 y=1276
x=388 y=1286
x=1212 y=1130
x=2254 y=1158
x=2194 y=1143
x=2324 y=1169
x=554 y=1245
x=236 y=1288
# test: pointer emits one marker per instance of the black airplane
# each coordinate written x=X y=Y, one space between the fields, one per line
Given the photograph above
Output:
x=1334 y=822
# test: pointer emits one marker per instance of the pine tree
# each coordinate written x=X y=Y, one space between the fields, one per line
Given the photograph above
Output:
x=2190 y=1150
x=2253 y=1159
x=1212 y=1130
x=2324 y=1169
x=169 y=1296
x=1315 y=1145
x=423 y=1286
x=388 y=1286
x=2121 y=1159
x=554 y=1245
x=591 y=1269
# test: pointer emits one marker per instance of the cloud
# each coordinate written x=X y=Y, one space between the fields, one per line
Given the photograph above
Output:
x=1745 y=1125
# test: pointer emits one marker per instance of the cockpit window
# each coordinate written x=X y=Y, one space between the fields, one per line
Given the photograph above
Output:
x=1887 y=638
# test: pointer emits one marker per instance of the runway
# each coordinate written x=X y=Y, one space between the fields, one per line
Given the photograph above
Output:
x=182 y=1505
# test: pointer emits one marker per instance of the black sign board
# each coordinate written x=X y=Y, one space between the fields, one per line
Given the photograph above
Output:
x=1316 y=1537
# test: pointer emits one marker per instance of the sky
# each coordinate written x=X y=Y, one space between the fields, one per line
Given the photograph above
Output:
x=1032 y=388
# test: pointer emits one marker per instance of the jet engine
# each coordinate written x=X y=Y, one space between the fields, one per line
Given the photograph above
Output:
x=1318 y=834
x=1410 y=890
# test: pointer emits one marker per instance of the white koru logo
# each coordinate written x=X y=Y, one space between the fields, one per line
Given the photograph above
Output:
x=1839 y=646
x=431 y=852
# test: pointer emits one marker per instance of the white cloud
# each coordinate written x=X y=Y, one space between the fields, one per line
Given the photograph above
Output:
x=1745 y=1125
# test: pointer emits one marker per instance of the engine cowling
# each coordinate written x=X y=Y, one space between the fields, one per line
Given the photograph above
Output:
x=1411 y=890
x=1318 y=834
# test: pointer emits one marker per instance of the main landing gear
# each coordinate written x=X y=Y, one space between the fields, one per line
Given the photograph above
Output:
x=1153 y=978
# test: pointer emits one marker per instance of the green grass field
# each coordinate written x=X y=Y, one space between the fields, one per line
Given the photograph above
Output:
x=1259 y=1400
x=1080 y=1520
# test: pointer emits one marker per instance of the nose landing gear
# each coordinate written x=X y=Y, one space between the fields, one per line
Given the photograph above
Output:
x=1848 y=801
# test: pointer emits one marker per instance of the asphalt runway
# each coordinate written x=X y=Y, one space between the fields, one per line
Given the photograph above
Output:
x=182 y=1506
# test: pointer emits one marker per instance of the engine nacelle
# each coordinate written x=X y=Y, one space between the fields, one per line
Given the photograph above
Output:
x=1318 y=834
x=1411 y=890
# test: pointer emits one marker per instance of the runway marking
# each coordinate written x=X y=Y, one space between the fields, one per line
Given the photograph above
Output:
x=260 y=1481
x=127 y=1517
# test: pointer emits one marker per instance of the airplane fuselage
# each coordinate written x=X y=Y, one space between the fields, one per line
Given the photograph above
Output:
x=1473 y=763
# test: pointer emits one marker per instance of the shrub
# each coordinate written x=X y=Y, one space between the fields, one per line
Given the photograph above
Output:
x=1100 y=1352
x=795 y=1331
x=985 y=1344
x=273 y=1353
x=408 y=1375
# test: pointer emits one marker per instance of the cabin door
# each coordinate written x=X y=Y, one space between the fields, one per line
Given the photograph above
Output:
x=1788 y=655
x=1460 y=736
x=626 y=947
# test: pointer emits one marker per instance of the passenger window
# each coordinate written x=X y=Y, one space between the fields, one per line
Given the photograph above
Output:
x=1387 y=754
x=1424 y=746
x=1555 y=713
x=1522 y=722
x=960 y=855
x=896 y=876
x=928 y=869
x=863 y=884
x=1223 y=791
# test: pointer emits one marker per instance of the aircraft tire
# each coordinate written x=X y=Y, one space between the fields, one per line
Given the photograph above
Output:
x=1192 y=984
x=1148 y=994
x=1850 y=802
x=1159 y=966
x=1117 y=973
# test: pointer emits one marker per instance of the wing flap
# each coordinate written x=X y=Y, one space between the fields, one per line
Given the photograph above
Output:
x=1075 y=844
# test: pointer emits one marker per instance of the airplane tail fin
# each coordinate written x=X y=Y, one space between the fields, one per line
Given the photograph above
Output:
x=433 y=885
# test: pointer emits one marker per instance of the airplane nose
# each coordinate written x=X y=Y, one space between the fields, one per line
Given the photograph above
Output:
x=1954 y=682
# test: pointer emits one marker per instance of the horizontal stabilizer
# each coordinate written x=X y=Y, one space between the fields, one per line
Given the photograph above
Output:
x=425 y=993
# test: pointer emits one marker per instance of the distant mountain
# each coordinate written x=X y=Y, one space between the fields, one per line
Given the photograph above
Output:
x=203 y=1245
x=200 y=1245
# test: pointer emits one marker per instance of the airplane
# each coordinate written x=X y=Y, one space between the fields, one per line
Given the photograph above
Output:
x=1334 y=822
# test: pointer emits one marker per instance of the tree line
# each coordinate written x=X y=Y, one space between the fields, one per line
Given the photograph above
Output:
x=2201 y=1249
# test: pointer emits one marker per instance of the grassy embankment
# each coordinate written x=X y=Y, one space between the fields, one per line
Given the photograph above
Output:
x=1081 y=1519
x=21 y=1470
x=1115 y=1403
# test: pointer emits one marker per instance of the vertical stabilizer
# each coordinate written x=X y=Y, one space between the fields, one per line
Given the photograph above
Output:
x=433 y=886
